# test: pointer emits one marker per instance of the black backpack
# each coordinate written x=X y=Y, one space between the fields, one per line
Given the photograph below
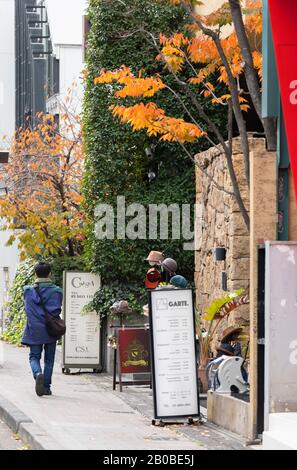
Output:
x=55 y=326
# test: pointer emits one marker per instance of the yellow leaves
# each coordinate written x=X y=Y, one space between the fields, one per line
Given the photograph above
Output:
x=258 y=63
x=141 y=116
x=177 y=51
x=137 y=87
x=43 y=174
x=172 y=52
x=178 y=40
x=244 y=106
x=173 y=57
x=154 y=120
x=113 y=76
x=253 y=16
x=222 y=16
x=202 y=50
x=132 y=86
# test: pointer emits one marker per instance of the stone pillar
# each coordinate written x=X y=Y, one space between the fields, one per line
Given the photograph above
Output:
x=263 y=213
x=221 y=224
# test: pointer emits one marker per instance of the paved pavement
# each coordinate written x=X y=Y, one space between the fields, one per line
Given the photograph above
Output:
x=85 y=413
x=9 y=441
x=82 y=415
x=208 y=436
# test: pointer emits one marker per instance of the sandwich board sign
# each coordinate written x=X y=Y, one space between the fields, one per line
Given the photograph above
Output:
x=81 y=343
x=173 y=352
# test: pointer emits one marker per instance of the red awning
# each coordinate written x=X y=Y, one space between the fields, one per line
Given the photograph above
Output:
x=283 y=15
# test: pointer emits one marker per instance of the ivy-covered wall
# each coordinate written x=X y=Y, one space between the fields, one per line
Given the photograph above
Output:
x=16 y=316
x=116 y=162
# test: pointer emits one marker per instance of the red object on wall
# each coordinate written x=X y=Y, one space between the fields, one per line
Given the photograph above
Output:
x=134 y=350
x=283 y=16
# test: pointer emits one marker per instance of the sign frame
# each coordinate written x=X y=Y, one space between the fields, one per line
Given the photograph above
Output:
x=156 y=415
x=66 y=365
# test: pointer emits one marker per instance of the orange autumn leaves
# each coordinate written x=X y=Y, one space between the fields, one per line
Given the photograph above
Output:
x=43 y=177
x=179 y=51
x=147 y=115
x=152 y=118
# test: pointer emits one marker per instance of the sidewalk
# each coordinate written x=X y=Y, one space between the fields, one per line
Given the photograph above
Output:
x=84 y=413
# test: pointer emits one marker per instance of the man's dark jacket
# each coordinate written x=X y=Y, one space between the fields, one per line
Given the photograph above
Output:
x=35 y=331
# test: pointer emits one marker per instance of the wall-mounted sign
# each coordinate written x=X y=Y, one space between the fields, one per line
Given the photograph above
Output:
x=81 y=344
x=174 y=361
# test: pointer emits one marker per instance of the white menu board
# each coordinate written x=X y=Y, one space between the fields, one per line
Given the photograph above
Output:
x=81 y=345
x=175 y=378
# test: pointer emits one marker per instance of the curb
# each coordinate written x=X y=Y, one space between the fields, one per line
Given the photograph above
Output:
x=31 y=433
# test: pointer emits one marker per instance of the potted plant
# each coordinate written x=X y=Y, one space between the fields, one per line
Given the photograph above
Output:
x=207 y=324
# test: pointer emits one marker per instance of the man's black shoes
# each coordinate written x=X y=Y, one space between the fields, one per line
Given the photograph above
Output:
x=47 y=391
x=39 y=385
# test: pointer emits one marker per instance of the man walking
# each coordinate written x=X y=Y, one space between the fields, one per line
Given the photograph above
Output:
x=43 y=295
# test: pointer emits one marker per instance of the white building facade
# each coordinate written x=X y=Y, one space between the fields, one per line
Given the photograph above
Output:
x=67 y=46
x=9 y=257
x=7 y=70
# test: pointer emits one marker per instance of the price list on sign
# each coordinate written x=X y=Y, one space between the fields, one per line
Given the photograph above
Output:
x=82 y=339
x=173 y=353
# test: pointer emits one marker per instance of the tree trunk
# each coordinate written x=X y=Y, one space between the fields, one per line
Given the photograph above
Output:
x=250 y=73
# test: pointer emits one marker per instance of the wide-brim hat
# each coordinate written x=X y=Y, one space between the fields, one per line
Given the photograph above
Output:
x=153 y=277
x=155 y=257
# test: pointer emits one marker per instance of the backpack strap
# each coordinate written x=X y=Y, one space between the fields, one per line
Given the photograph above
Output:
x=37 y=289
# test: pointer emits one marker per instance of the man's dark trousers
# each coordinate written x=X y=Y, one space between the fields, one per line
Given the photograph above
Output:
x=49 y=360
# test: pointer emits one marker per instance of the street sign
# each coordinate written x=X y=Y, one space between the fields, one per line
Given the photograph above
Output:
x=174 y=361
x=81 y=343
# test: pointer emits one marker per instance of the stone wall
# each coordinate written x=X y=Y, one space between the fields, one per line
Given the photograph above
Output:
x=220 y=224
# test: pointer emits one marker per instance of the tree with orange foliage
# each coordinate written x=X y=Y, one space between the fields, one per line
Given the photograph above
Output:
x=43 y=206
x=214 y=56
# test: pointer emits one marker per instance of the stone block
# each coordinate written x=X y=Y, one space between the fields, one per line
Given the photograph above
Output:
x=236 y=284
x=237 y=225
x=239 y=247
x=240 y=269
